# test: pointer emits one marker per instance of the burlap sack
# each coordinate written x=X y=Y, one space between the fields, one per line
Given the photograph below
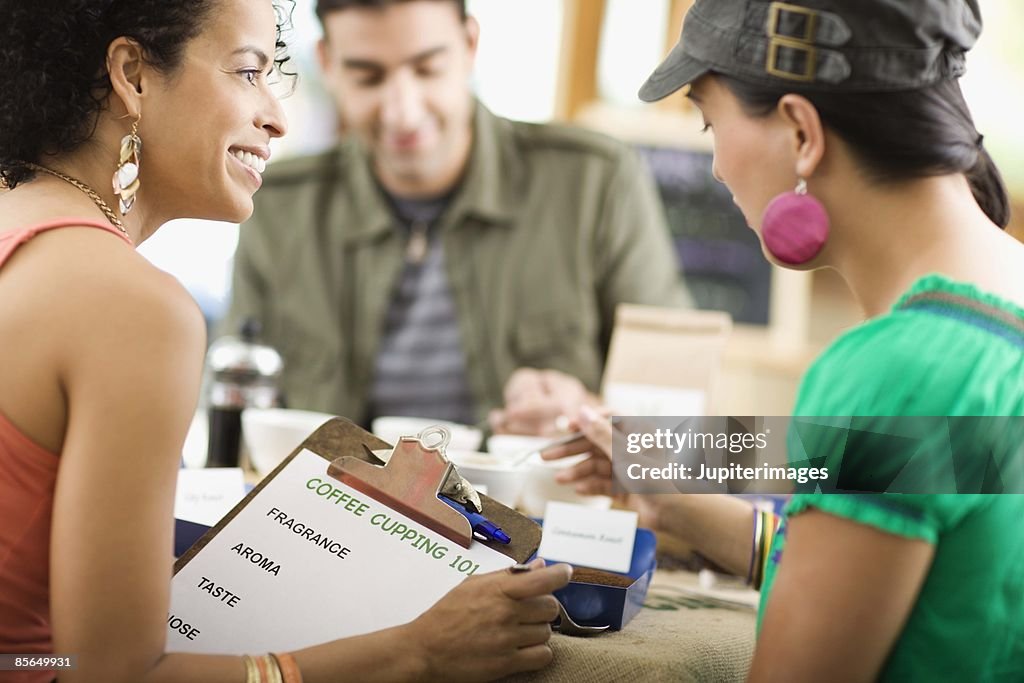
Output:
x=680 y=635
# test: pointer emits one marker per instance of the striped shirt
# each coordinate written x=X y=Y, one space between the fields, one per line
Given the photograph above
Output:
x=420 y=368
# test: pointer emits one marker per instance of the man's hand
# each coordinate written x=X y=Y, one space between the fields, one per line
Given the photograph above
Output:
x=540 y=402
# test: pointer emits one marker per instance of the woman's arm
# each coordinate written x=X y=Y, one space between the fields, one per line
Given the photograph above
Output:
x=489 y=626
x=131 y=370
x=719 y=527
x=840 y=599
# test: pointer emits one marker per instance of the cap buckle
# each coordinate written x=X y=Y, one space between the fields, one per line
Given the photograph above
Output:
x=776 y=45
x=775 y=11
x=791 y=45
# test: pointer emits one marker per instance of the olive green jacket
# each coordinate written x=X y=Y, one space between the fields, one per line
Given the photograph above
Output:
x=551 y=228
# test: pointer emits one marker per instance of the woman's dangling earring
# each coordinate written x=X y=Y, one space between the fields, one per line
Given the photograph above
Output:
x=794 y=226
x=126 y=177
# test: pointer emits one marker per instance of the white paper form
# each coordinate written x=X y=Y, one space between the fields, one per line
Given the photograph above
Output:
x=309 y=560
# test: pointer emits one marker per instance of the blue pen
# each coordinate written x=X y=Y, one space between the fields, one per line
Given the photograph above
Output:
x=481 y=525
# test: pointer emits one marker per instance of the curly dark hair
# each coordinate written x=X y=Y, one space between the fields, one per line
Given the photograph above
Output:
x=53 y=80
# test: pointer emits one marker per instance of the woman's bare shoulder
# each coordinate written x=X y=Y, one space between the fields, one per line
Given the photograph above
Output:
x=86 y=315
x=88 y=267
x=91 y=286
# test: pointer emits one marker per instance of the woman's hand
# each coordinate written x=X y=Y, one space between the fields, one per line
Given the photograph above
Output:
x=491 y=625
x=594 y=476
x=719 y=527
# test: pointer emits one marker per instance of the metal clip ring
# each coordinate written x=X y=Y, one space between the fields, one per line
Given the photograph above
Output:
x=435 y=430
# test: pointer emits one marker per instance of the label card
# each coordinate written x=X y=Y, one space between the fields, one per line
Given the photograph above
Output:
x=602 y=539
x=204 y=496
x=309 y=560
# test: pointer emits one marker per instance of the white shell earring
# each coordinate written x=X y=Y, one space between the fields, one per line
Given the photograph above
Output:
x=126 y=177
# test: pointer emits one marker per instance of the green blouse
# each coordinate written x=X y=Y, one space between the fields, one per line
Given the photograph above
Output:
x=946 y=349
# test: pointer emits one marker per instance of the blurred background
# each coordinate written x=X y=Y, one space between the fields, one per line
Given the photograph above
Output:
x=581 y=62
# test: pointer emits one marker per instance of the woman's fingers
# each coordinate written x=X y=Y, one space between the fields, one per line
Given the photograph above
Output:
x=597 y=428
x=580 y=445
x=594 y=486
x=594 y=466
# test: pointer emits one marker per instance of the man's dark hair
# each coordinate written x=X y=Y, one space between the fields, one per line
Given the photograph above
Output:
x=325 y=7
x=901 y=135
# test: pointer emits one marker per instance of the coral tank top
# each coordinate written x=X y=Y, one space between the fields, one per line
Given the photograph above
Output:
x=28 y=474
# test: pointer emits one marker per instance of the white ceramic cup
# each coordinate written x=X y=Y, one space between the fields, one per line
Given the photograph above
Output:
x=271 y=434
x=503 y=480
x=540 y=486
x=509 y=445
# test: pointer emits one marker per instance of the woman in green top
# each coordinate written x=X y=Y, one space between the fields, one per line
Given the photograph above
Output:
x=859 y=103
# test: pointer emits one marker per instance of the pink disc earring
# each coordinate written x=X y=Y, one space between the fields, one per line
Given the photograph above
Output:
x=794 y=226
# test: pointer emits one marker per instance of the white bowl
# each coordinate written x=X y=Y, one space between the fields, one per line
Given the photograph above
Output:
x=391 y=429
x=504 y=481
x=271 y=434
x=515 y=444
x=540 y=486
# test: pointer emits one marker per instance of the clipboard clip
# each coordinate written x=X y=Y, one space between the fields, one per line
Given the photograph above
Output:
x=411 y=480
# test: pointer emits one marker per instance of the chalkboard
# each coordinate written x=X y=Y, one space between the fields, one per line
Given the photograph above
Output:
x=720 y=256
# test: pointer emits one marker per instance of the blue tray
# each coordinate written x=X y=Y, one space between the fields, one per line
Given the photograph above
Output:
x=596 y=604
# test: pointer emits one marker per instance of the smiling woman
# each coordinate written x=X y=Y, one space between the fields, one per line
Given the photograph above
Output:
x=116 y=117
x=218 y=52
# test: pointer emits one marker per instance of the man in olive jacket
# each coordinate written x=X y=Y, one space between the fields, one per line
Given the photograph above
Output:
x=438 y=250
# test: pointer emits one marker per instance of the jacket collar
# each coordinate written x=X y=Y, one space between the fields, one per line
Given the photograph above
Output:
x=489 y=190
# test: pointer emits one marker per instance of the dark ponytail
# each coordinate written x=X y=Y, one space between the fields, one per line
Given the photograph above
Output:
x=988 y=188
x=901 y=135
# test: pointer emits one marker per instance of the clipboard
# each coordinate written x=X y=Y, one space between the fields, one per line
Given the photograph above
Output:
x=341 y=437
x=243 y=588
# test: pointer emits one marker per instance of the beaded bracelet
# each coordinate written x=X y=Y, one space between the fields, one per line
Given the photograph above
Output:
x=271 y=668
x=765 y=526
x=753 y=547
x=755 y=580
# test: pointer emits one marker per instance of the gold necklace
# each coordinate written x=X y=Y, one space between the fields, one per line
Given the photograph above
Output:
x=92 y=194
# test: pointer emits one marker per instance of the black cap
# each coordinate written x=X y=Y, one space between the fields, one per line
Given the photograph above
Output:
x=862 y=45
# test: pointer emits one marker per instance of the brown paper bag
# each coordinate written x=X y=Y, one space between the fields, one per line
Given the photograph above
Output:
x=664 y=361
